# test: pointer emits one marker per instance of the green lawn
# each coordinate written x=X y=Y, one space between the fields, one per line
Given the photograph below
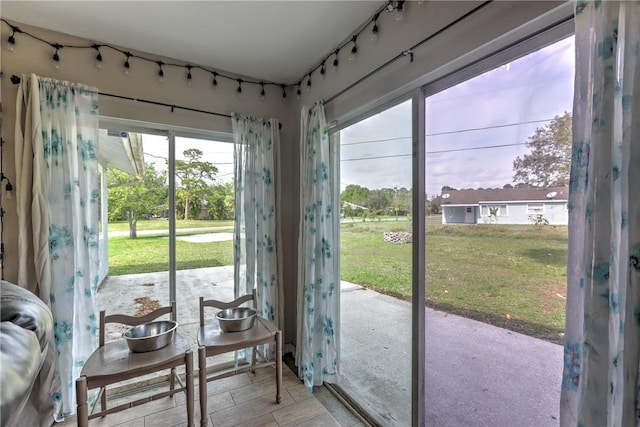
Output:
x=163 y=224
x=508 y=276
x=148 y=254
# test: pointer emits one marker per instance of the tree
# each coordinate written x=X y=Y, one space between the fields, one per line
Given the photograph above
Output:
x=196 y=177
x=221 y=202
x=379 y=200
x=131 y=198
x=355 y=194
x=548 y=164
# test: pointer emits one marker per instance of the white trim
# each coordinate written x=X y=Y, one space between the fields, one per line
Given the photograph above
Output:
x=459 y=205
x=163 y=129
x=523 y=201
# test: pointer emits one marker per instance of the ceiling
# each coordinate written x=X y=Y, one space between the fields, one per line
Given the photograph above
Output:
x=268 y=40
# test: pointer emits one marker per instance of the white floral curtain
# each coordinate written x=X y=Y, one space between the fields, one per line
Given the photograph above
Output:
x=255 y=254
x=602 y=341
x=318 y=279
x=57 y=198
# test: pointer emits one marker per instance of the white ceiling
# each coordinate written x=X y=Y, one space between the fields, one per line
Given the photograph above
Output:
x=271 y=40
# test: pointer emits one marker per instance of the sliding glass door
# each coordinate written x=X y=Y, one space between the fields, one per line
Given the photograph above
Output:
x=376 y=235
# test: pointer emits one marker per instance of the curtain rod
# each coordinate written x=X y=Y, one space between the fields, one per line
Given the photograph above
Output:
x=409 y=51
x=16 y=80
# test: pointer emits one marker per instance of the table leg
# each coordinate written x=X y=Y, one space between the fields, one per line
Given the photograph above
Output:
x=81 y=400
x=189 y=386
x=202 y=384
x=278 y=366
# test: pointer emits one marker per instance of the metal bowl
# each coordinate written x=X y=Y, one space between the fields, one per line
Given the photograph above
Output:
x=236 y=319
x=150 y=336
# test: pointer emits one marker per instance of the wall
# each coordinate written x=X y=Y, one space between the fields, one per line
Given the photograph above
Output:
x=452 y=49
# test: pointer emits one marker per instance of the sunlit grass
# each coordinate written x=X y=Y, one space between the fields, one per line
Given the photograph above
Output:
x=510 y=276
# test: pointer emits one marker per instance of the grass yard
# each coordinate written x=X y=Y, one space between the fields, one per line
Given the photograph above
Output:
x=148 y=254
x=509 y=276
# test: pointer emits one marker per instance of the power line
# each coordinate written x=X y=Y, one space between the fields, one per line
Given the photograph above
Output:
x=476 y=148
x=449 y=132
x=453 y=150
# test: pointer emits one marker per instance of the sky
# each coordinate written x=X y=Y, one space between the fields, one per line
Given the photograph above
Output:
x=536 y=87
x=461 y=123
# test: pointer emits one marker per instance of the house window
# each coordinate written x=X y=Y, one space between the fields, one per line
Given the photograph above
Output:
x=469 y=210
x=494 y=210
x=535 y=208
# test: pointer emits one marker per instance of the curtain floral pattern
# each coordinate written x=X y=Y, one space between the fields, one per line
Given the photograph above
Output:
x=58 y=197
x=255 y=254
x=318 y=281
x=600 y=385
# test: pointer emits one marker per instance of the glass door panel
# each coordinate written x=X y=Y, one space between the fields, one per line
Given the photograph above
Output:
x=137 y=208
x=204 y=200
x=497 y=173
x=376 y=264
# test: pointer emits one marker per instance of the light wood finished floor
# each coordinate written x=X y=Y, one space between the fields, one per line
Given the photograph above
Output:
x=246 y=400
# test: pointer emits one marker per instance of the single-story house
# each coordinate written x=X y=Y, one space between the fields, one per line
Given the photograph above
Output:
x=506 y=206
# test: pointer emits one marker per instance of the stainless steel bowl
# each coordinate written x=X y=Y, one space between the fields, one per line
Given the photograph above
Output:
x=150 y=336
x=236 y=319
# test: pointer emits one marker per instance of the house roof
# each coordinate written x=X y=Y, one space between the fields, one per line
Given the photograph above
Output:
x=473 y=197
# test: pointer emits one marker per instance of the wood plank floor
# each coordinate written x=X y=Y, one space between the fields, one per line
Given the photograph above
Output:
x=246 y=400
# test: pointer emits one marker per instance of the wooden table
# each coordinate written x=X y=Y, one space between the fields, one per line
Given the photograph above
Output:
x=212 y=341
x=114 y=362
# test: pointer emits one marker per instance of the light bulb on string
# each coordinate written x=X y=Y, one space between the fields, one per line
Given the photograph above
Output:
x=298 y=92
x=127 y=64
x=98 y=56
x=262 y=92
x=374 y=31
x=56 y=58
x=160 y=71
x=335 y=60
x=11 y=42
x=239 y=90
x=400 y=11
x=189 y=76
x=309 y=83
x=323 y=71
x=284 y=93
x=354 y=49
x=215 y=81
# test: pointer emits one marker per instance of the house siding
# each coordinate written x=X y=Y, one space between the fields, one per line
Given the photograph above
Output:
x=516 y=213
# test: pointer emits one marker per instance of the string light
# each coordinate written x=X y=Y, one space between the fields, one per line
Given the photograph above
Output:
x=189 y=76
x=11 y=41
x=98 y=56
x=215 y=81
x=160 y=71
x=354 y=49
x=56 y=57
x=399 y=10
x=126 y=64
x=239 y=90
x=298 y=92
x=375 y=29
x=391 y=6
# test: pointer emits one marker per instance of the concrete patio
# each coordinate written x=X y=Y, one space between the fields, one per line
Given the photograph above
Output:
x=476 y=374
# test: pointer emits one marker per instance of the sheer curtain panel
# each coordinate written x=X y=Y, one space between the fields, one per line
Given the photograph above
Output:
x=255 y=253
x=601 y=352
x=318 y=279
x=57 y=202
